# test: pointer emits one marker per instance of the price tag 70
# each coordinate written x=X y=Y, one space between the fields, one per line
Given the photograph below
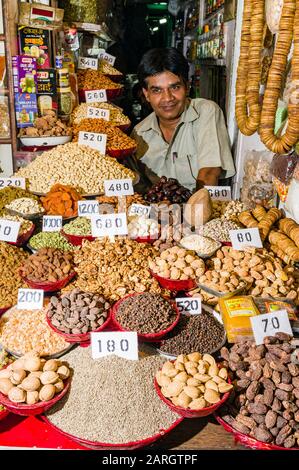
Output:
x=52 y=223
x=139 y=209
x=108 y=225
x=222 y=193
x=108 y=57
x=94 y=140
x=189 y=305
x=270 y=323
x=118 y=187
x=98 y=113
x=17 y=182
x=31 y=299
x=88 y=208
x=88 y=63
x=9 y=230
x=96 y=96
x=123 y=344
x=245 y=237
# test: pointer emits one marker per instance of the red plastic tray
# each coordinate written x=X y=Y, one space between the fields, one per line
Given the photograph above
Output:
x=3 y=414
x=147 y=337
x=175 y=285
x=112 y=93
x=76 y=240
x=22 y=239
x=148 y=239
x=49 y=286
x=121 y=153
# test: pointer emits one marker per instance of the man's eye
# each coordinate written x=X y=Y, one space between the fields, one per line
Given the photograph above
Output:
x=176 y=87
x=156 y=90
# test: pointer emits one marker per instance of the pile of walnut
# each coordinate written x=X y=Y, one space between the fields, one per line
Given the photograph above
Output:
x=266 y=403
x=47 y=126
x=31 y=379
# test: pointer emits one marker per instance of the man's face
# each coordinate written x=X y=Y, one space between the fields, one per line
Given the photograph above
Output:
x=167 y=95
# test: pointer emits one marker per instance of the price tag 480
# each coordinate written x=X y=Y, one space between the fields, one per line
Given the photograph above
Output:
x=118 y=187
x=122 y=344
x=189 y=305
x=269 y=324
x=30 y=299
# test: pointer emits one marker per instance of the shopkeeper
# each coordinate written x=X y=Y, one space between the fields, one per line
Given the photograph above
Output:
x=182 y=138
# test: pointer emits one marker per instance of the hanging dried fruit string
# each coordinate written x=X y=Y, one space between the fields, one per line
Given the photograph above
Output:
x=248 y=108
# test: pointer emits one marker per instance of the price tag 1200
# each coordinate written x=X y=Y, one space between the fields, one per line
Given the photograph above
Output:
x=88 y=63
x=108 y=225
x=123 y=344
x=139 y=209
x=17 y=182
x=98 y=113
x=108 y=57
x=270 y=323
x=118 y=187
x=31 y=299
x=93 y=140
x=222 y=193
x=88 y=208
x=95 y=96
x=9 y=230
x=52 y=223
x=189 y=305
x=245 y=237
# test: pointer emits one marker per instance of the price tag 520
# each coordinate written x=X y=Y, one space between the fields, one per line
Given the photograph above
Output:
x=245 y=237
x=269 y=324
x=95 y=96
x=108 y=225
x=98 y=113
x=88 y=63
x=123 y=344
x=9 y=230
x=17 y=182
x=222 y=193
x=118 y=187
x=188 y=305
x=31 y=299
x=52 y=223
x=94 y=140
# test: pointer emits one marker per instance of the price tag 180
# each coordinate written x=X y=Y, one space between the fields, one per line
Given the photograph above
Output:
x=52 y=223
x=98 y=113
x=96 y=96
x=189 y=305
x=30 y=299
x=118 y=187
x=222 y=193
x=108 y=57
x=122 y=344
x=9 y=230
x=17 y=182
x=88 y=208
x=270 y=323
x=245 y=237
x=108 y=225
x=94 y=140
x=88 y=63
x=139 y=209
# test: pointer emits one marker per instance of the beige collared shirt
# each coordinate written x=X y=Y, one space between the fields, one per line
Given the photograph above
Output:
x=200 y=140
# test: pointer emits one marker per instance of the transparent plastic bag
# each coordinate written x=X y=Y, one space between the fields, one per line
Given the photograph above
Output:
x=292 y=199
x=283 y=166
x=257 y=185
x=273 y=14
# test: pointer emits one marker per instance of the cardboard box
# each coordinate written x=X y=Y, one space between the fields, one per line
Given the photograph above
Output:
x=24 y=74
x=26 y=109
x=46 y=90
x=35 y=42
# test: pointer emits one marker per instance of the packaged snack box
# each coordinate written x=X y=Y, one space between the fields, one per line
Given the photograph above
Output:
x=26 y=109
x=46 y=91
x=35 y=42
x=24 y=74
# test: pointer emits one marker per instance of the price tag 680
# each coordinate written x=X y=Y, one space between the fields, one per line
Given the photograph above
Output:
x=94 y=140
x=245 y=237
x=221 y=193
x=52 y=223
x=118 y=187
x=108 y=225
x=96 y=96
x=122 y=344
x=88 y=208
x=9 y=230
x=30 y=299
x=17 y=182
x=139 y=209
x=270 y=323
x=88 y=63
x=98 y=113
x=189 y=305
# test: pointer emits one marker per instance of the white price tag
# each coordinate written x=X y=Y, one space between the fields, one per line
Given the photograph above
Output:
x=139 y=209
x=120 y=343
x=108 y=225
x=88 y=63
x=17 y=182
x=30 y=299
x=189 y=305
x=96 y=96
x=9 y=230
x=222 y=193
x=93 y=140
x=98 y=113
x=88 y=208
x=52 y=223
x=118 y=187
x=245 y=237
x=108 y=57
x=270 y=323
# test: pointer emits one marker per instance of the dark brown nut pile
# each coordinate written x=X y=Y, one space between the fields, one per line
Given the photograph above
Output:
x=146 y=313
x=202 y=333
x=93 y=80
x=168 y=189
x=266 y=404
x=48 y=264
x=78 y=312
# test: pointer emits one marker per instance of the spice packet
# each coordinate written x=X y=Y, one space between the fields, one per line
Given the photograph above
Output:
x=236 y=313
x=267 y=305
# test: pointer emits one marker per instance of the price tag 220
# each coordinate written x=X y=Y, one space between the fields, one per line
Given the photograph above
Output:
x=30 y=299
x=17 y=182
x=108 y=225
x=88 y=208
x=140 y=210
x=221 y=193
x=98 y=113
x=88 y=63
x=122 y=344
x=118 y=187
x=269 y=324
x=245 y=237
x=96 y=96
x=189 y=305
x=52 y=223
x=9 y=230
x=94 y=140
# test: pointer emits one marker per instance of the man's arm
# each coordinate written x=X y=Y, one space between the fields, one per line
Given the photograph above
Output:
x=208 y=177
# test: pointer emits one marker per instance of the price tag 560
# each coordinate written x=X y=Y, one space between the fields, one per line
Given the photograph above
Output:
x=245 y=237
x=88 y=208
x=17 y=182
x=108 y=225
x=189 y=305
x=98 y=113
x=123 y=344
x=96 y=96
x=94 y=140
x=139 y=209
x=52 y=223
x=222 y=193
x=269 y=324
x=88 y=63
x=30 y=299
x=9 y=230
x=118 y=187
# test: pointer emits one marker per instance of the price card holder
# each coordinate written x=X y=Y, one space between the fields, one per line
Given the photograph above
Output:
x=108 y=57
x=88 y=63
x=245 y=237
x=93 y=140
x=189 y=305
x=52 y=223
x=221 y=193
x=16 y=182
x=122 y=344
x=9 y=230
x=30 y=299
x=96 y=96
x=88 y=208
x=109 y=225
x=140 y=210
x=269 y=324
x=98 y=113
x=118 y=187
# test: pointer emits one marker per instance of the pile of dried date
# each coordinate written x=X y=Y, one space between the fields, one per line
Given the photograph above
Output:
x=265 y=404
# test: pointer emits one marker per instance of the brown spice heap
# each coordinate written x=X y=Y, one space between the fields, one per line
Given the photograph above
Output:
x=93 y=80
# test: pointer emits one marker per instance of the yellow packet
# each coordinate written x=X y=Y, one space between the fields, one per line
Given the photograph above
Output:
x=236 y=313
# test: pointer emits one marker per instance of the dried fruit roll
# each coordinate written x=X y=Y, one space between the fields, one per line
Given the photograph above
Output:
x=259 y=212
x=280 y=253
x=247 y=219
x=285 y=244
x=291 y=229
x=272 y=216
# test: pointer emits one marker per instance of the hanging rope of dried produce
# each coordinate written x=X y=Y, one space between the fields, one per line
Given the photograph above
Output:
x=288 y=31
x=248 y=109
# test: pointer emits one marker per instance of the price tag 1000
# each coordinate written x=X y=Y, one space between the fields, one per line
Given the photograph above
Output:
x=88 y=208
x=139 y=209
x=118 y=187
x=95 y=96
x=52 y=223
x=17 y=182
x=222 y=193
x=108 y=57
x=88 y=63
x=31 y=299
x=98 y=113
x=270 y=323
x=9 y=230
x=108 y=225
x=245 y=237
x=94 y=140
x=123 y=344
x=189 y=305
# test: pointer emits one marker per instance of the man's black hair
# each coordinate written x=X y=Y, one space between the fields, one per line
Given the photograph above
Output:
x=159 y=60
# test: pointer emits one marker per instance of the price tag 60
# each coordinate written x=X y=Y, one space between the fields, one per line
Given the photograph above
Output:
x=270 y=323
x=9 y=230
x=245 y=237
x=98 y=113
x=108 y=57
x=94 y=140
x=52 y=223
x=88 y=63
x=189 y=305
x=122 y=344
x=31 y=299
x=221 y=193
x=88 y=208
x=17 y=182
x=96 y=96
x=140 y=210
x=118 y=187
x=108 y=225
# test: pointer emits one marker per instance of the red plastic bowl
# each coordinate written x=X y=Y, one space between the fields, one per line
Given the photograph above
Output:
x=118 y=153
x=115 y=77
x=175 y=285
x=3 y=414
x=226 y=243
x=106 y=446
x=4 y=309
x=148 y=239
x=24 y=237
x=112 y=93
x=31 y=410
x=124 y=127
x=144 y=336
x=76 y=240
x=49 y=286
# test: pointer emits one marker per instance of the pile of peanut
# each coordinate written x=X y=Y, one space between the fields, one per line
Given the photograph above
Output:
x=178 y=264
x=48 y=265
x=116 y=118
x=93 y=80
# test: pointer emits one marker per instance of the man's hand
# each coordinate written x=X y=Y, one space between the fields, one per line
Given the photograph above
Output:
x=208 y=177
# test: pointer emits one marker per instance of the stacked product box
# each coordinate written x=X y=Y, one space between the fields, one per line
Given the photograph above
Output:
x=46 y=91
x=25 y=87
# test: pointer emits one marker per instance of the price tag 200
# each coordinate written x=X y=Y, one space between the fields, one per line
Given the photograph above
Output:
x=108 y=225
x=52 y=223
x=221 y=193
x=118 y=187
x=140 y=210
x=189 y=305
x=88 y=63
x=122 y=344
x=17 y=182
x=245 y=237
x=98 y=113
x=94 y=140
x=31 y=299
x=96 y=96
x=270 y=323
x=88 y=208
x=108 y=57
x=9 y=230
